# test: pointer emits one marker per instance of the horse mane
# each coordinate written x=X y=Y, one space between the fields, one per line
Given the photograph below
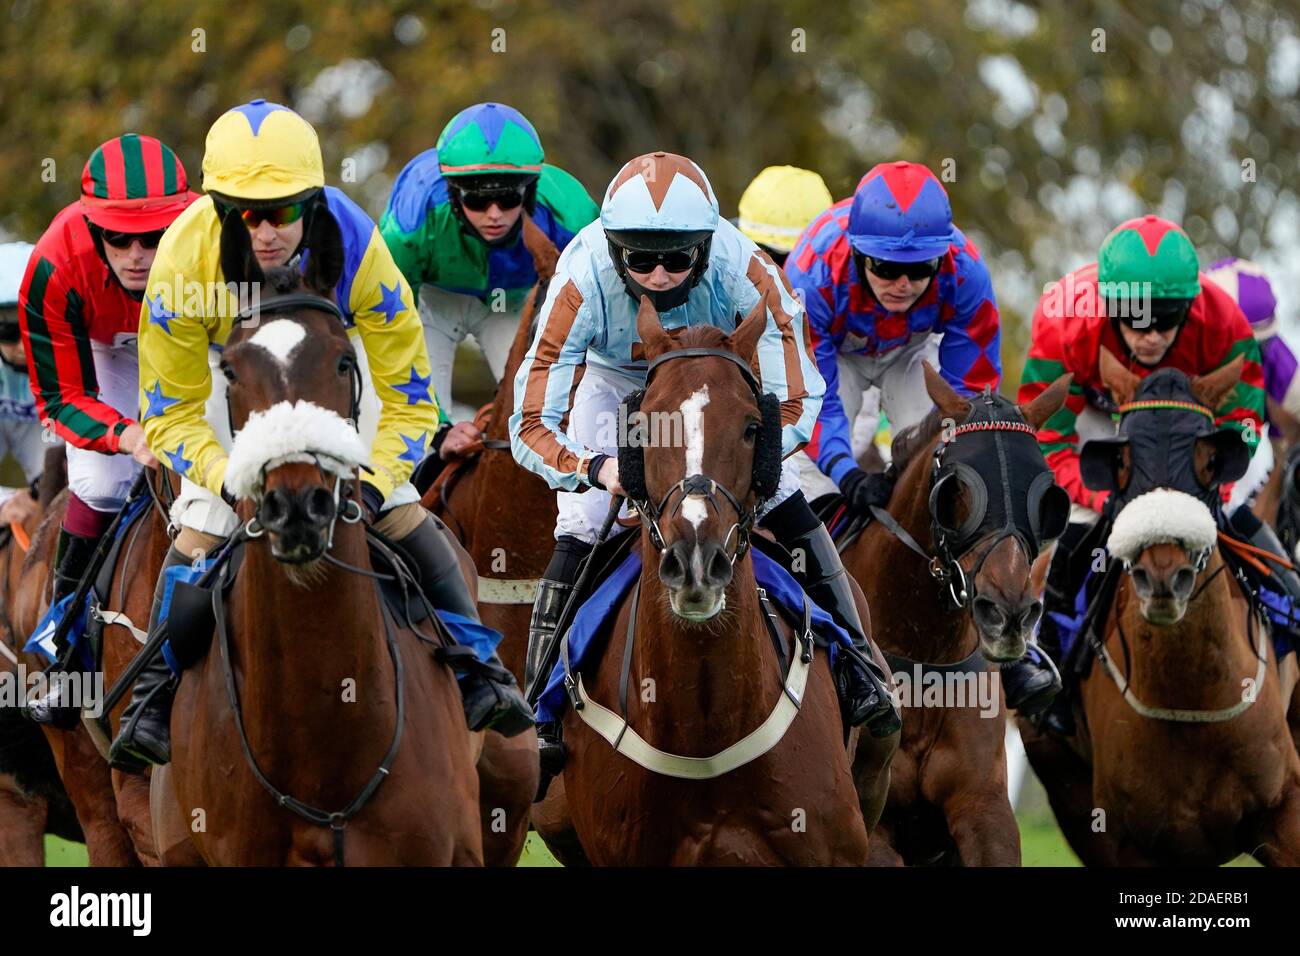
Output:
x=698 y=337
x=915 y=438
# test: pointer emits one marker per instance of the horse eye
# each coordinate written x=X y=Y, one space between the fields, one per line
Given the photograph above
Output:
x=229 y=372
x=751 y=432
x=346 y=364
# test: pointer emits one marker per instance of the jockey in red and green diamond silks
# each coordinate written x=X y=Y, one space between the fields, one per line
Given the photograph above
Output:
x=454 y=224
x=1145 y=301
x=79 y=311
x=1202 y=329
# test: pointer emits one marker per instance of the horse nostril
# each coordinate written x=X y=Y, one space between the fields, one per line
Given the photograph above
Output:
x=1030 y=615
x=274 y=510
x=717 y=572
x=1141 y=581
x=319 y=505
x=988 y=616
x=1182 y=583
x=672 y=569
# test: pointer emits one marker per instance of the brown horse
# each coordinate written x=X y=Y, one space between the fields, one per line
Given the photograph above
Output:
x=112 y=807
x=503 y=514
x=1182 y=755
x=948 y=799
x=700 y=638
x=32 y=800
x=320 y=728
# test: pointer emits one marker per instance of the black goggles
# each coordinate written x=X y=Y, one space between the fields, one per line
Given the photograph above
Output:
x=677 y=260
x=123 y=240
x=479 y=200
x=1161 y=315
x=916 y=271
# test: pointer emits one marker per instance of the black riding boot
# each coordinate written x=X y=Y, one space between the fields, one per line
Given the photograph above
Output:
x=145 y=734
x=55 y=708
x=1031 y=683
x=863 y=687
x=553 y=595
x=491 y=695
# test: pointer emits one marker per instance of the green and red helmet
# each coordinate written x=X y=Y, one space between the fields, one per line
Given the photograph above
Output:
x=490 y=140
x=1148 y=256
x=134 y=183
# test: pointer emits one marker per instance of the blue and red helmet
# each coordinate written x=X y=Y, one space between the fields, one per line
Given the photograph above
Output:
x=900 y=213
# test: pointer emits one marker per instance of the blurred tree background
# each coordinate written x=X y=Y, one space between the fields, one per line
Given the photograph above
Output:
x=1053 y=120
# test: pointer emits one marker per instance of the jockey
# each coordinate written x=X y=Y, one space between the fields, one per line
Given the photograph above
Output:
x=889 y=282
x=1144 y=300
x=777 y=206
x=659 y=235
x=79 y=310
x=454 y=225
x=266 y=194
x=1251 y=290
x=20 y=428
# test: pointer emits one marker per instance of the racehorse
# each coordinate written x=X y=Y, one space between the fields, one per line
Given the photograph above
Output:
x=694 y=627
x=32 y=800
x=1182 y=754
x=952 y=572
x=321 y=728
x=503 y=514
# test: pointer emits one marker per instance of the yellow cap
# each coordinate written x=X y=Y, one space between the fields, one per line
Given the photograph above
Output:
x=262 y=151
x=778 y=205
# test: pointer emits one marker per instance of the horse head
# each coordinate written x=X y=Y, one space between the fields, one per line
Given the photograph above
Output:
x=993 y=507
x=1165 y=468
x=703 y=450
x=294 y=388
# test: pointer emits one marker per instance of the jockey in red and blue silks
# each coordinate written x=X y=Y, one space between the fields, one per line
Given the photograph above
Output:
x=889 y=281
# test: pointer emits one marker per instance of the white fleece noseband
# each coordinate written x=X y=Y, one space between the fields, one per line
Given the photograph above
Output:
x=292 y=432
x=1163 y=516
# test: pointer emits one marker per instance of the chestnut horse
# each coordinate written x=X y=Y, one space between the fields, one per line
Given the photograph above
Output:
x=1182 y=755
x=320 y=728
x=945 y=619
x=503 y=514
x=701 y=637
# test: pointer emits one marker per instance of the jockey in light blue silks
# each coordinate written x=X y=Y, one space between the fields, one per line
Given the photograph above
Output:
x=660 y=236
x=20 y=428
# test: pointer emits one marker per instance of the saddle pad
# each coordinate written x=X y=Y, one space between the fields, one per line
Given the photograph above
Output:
x=591 y=625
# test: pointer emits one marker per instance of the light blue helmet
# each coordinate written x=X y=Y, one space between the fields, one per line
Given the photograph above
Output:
x=14 y=257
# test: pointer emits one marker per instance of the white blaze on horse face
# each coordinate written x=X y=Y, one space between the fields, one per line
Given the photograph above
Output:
x=279 y=337
x=692 y=410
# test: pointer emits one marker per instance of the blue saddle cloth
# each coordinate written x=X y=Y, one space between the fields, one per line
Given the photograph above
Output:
x=589 y=633
x=41 y=640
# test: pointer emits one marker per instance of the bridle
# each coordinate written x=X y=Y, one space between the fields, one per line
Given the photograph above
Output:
x=701 y=485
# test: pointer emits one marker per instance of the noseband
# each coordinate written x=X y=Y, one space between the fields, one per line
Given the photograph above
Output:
x=702 y=485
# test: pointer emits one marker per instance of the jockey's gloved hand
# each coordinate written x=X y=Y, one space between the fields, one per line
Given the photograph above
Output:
x=863 y=490
x=372 y=500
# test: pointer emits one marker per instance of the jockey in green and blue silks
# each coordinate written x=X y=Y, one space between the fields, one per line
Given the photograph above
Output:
x=454 y=225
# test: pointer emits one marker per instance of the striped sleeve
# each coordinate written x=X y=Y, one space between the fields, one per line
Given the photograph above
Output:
x=1243 y=409
x=1058 y=438
x=383 y=307
x=785 y=356
x=544 y=387
x=51 y=316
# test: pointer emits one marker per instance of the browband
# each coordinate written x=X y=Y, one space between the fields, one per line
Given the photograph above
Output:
x=292 y=300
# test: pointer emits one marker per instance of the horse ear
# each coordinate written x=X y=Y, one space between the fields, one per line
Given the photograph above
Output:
x=1213 y=387
x=1048 y=403
x=238 y=264
x=324 y=243
x=744 y=341
x=943 y=395
x=540 y=247
x=652 y=334
x=1122 y=383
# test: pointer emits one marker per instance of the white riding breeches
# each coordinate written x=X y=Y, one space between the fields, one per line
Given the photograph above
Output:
x=103 y=481
x=593 y=422
x=896 y=382
x=448 y=318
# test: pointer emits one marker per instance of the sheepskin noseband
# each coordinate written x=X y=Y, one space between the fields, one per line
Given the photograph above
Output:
x=1163 y=516
x=286 y=432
